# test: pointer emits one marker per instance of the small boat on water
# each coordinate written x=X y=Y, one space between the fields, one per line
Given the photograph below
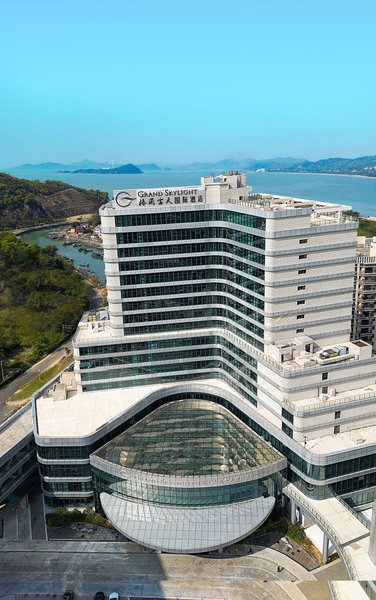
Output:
x=85 y=265
x=97 y=255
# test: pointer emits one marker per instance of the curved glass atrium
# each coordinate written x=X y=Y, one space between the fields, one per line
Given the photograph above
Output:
x=189 y=477
x=189 y=438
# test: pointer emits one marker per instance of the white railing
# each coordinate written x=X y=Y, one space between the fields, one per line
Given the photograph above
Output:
x=299 y=411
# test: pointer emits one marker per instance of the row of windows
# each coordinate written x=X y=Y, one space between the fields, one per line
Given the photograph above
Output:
x=145 y=278
x=149 y=370
x=196 y=248
x=76 y=502
x=189 y=325
x=190 y=261
x=172 y=235
x=155 y=345
x=194 y=216
x=185 y=301
x=174 y=355
x=8 y=476
x=187 y=366
x=67 y=486
x=177 y=317
x=192 y=496
x=202 y=288
x=347 y=486
x=76 y=470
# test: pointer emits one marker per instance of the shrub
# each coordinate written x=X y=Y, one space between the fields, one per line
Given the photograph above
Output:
x=296 y=533
x=61 y=517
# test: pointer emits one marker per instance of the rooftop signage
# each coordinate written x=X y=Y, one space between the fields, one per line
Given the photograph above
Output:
x=174 y=196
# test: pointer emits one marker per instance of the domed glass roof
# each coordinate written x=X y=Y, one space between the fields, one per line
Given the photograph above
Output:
x=189 y=438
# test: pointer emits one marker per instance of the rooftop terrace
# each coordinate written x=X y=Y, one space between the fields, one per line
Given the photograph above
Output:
x=322 y=213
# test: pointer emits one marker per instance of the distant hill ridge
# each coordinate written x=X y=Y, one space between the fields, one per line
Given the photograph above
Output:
x=81 y=167
x=362 y=165
x=122 y=170
x=24 y=202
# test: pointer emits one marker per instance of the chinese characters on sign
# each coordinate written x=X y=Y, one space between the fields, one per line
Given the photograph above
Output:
x=160 y=197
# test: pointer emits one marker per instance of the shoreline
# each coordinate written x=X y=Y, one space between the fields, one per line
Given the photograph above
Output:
x=325 y=174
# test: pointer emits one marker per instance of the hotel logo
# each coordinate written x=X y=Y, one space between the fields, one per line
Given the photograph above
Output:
x=124 y=199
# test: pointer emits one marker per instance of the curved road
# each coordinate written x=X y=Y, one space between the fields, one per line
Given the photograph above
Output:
x=44 y=364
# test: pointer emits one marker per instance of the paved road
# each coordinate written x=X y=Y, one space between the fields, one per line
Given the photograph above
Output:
x=25 y=520
x=16 y=384
x=88 y=567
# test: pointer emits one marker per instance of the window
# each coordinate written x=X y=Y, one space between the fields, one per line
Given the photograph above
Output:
x=301 y=287
x=286 y=429
x=301 y=302
x=337 y=414
x=302 y=271
x=304 y=241
x=287 y=415
x=324 y=376
x=302 y=256
x=300 y=316
x=324 y=390
x=300 y=330
x=337 y=429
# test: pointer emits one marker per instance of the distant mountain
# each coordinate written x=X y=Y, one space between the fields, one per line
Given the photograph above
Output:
x=363 y=165
x=149 y=167
x=48 y=166
x=53 y=166
x=122 y=170
x=247 y=164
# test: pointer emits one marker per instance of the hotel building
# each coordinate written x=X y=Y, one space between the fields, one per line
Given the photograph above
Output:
x=223 y=365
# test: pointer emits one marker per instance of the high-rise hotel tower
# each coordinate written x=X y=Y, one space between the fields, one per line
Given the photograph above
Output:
x=222 y=365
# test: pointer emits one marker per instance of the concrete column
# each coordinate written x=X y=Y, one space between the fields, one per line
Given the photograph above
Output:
x=325 y=548
x=372 y=539
x=293 y=512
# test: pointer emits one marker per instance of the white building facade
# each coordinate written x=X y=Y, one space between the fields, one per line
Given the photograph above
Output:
x=240 y=299
x=364 y=305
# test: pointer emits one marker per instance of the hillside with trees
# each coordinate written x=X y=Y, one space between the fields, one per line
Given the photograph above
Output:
x=25 y=203
x=42 y=299
x=362 y=165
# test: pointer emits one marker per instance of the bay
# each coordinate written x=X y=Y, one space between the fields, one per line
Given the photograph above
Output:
x=359 y=192
x=40 y=237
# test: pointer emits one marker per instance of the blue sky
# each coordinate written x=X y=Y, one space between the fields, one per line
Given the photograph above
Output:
x=179 y=81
